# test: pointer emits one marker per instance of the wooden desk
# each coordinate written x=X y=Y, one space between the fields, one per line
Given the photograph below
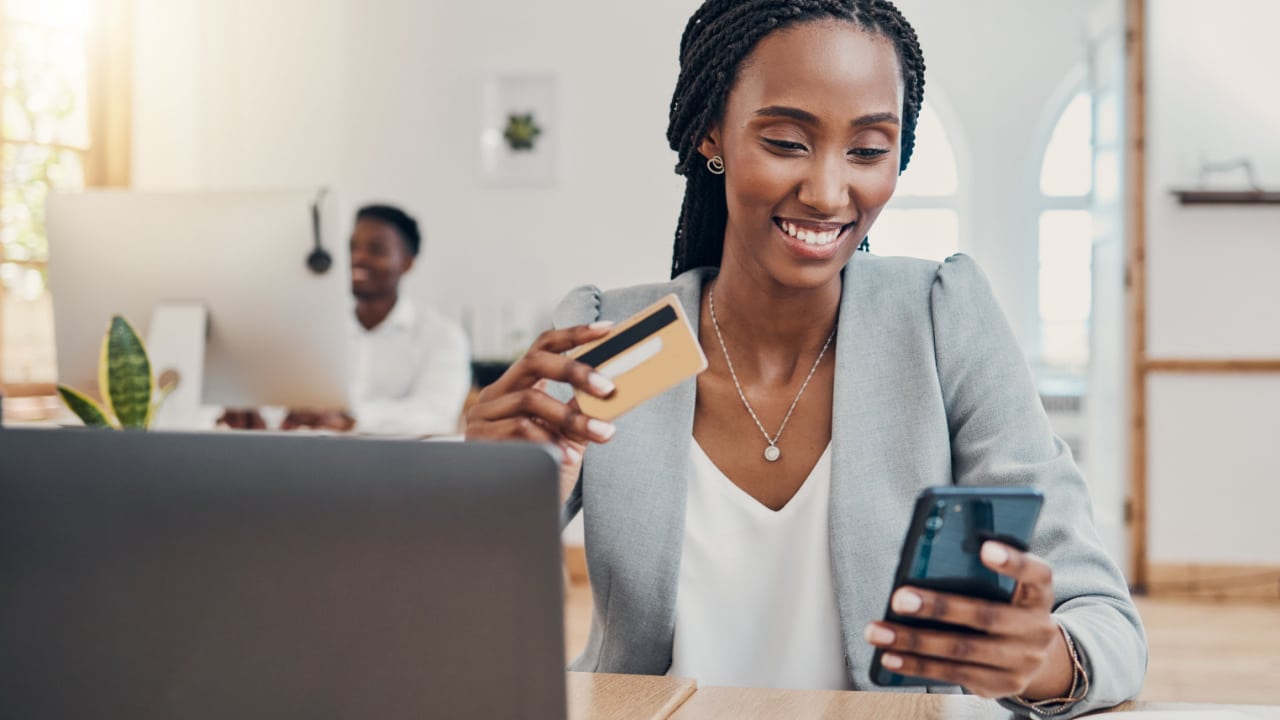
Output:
x=744 y=703
x=642 y=697
x=710 y=703
x=601 y=696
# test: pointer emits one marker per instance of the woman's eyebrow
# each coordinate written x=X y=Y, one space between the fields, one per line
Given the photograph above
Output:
x=876 y=119
x=783 y=111
x=805 y=116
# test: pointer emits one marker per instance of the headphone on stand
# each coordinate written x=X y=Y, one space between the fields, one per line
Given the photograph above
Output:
x=319 y=260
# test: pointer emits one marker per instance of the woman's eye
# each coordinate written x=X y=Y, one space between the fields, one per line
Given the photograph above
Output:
x=786 y=145
x=868 y=153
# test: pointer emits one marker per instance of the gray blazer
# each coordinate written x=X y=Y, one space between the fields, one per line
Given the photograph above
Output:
x=931 y=388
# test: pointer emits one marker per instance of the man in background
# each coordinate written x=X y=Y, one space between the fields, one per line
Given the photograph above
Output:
x=411 y=366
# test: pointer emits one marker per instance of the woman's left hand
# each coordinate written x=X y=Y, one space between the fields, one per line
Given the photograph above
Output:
x=1022 y=652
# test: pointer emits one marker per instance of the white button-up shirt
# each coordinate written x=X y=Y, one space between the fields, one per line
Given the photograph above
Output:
x=410 y=374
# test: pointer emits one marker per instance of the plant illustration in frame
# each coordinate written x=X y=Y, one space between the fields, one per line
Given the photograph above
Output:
x=519 y=131
x=522 y=132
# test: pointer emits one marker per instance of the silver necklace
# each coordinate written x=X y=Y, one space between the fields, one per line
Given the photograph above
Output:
x=771 y=452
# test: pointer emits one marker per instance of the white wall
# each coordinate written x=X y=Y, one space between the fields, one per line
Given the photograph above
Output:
x=168 y=98
x=1212 y=471
x=1212 y=289
x=238 y=94
x=383 y=99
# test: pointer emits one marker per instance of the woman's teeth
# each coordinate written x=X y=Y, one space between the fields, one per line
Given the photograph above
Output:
x=810 y=237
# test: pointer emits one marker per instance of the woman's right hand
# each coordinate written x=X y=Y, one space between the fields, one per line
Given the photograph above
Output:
x=517 y=407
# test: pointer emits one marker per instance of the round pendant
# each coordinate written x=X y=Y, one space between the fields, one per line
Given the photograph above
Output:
x=772 y=453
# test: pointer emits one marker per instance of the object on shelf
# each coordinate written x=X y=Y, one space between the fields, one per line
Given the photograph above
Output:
x=1254 y=194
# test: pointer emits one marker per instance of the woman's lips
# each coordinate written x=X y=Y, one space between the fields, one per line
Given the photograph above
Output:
x=813 y=241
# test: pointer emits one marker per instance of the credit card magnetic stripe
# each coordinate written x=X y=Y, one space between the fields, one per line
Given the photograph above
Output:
x=623 y=341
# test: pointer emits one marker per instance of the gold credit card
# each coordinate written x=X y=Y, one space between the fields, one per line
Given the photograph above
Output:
x=645 y=355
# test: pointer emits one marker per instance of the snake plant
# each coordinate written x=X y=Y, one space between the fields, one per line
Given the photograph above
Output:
x=124 y=378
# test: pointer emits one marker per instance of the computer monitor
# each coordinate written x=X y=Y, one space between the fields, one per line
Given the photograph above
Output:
x=247 y=575
x=276 y=331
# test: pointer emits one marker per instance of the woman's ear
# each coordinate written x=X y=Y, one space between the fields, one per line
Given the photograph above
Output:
x=710 y=145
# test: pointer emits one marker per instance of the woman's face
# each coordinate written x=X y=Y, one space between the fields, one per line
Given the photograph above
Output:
x=810 y=141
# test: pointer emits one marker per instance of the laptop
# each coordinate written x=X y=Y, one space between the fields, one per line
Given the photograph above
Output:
x=243 y=575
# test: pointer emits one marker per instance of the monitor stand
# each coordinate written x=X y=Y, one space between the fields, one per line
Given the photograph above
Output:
x=175 y=344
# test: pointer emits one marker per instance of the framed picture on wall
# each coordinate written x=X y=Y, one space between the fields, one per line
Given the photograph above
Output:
x=520 y=133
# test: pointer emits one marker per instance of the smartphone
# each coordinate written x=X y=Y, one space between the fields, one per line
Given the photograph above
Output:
x=941 y=552
x=645 y=355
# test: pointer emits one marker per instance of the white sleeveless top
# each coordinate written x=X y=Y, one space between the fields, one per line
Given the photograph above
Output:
x=755 y=605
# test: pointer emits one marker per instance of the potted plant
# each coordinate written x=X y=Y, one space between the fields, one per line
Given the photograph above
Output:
x=130 y=397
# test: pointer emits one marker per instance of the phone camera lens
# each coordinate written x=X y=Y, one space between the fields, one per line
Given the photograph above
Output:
x=934 y=523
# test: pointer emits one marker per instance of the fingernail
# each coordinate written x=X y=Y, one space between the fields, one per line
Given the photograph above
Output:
x=601 y=384
x=994 y=553
x=573 y=456
x=601 y=429
x=893 y=662
x=600 y=325
x=879 y=635
x=905 y=601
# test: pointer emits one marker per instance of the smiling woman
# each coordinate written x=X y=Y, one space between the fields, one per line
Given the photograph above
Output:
x=811 y=134
x=698 y=105
x=721 y=548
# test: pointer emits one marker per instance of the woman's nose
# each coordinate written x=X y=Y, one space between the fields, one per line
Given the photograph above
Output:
x=827 y=187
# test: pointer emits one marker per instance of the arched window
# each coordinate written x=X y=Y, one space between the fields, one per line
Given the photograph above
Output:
x=923 y=218
x=1066 y=239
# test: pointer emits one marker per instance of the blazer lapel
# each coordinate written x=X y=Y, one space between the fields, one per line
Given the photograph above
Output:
x=866 y=516
x=634 y=494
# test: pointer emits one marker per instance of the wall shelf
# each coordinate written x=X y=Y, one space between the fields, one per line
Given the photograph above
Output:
x=1228 y=197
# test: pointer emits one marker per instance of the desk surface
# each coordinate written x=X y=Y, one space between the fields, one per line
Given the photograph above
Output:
x=710 y=703
x=640 y=697
x=601 y=696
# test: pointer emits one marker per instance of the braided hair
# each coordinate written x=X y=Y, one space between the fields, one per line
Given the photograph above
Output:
x=719 y=36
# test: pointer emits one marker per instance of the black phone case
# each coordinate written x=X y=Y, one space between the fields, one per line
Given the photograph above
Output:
x=940 y=552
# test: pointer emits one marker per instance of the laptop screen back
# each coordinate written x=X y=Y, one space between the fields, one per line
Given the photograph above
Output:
x=150 y=576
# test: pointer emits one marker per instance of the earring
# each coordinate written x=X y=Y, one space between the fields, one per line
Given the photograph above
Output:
x=716 y=165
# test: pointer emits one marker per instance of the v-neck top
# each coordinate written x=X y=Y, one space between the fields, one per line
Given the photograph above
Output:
x=755 y=604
